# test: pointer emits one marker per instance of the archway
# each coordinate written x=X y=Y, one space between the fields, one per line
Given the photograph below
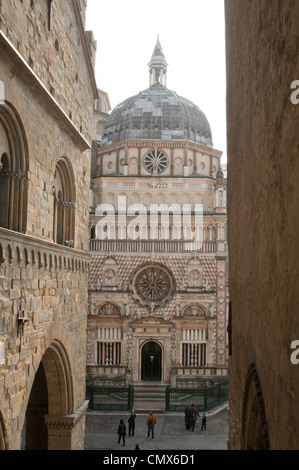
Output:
x=151 y=361
x=255 y=435
x=51 y=396
x=2 y=434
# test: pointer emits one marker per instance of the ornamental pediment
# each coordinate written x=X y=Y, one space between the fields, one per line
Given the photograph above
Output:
x=150 y=320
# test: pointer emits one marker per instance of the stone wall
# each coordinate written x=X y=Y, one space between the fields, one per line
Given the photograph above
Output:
x=262 y=61
x=48 y=284
x=49 y=92
x=54 y=51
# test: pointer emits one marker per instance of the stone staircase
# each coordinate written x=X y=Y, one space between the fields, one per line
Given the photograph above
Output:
x=149 y=396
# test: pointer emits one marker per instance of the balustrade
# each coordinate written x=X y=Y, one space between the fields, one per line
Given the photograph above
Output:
x=157 y=246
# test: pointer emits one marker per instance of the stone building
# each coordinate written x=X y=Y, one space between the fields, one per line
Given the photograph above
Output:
x=158 y=267
x=262 y=42
x=47 y=95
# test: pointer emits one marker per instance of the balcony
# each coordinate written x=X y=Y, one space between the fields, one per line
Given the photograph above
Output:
x=156 y=246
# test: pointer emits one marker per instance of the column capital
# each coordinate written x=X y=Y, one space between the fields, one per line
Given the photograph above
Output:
x=68 y=421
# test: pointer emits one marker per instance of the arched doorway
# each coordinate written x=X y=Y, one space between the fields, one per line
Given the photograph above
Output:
x=51 y=396
x=151 y=361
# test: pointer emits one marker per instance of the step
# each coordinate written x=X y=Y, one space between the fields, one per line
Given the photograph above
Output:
x=149 y=397
x=146 y=407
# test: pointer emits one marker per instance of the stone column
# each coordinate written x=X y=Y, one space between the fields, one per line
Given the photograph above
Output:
x=67 y=432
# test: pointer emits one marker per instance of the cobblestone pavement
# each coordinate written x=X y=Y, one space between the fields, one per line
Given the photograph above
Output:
x=216 y=424
x=170 y=432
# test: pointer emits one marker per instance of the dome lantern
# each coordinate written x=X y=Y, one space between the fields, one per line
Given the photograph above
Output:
x=158 y=66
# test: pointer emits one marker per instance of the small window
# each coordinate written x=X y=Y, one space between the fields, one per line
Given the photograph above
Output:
x=194 y=354
x=109 y=353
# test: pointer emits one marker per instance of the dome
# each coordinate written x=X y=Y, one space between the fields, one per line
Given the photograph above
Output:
x=157 y=114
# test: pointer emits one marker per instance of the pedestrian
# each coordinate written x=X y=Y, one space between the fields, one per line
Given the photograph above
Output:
x=121 y=431
x=131 y=422
x=193 y=414
x=187 y=417
x=203 y=422
x=151 y=421
x=137 y=447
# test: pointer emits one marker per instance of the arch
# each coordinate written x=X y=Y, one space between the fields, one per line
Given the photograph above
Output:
x=210 y=232
x=18 y=255
x=100 y=126
x=58 y=374
x=2 y=259
x=194 y=310
x=14 y=165
x=109 y=308
x=26 y=257
x=134 y=199
x=51 y=395
x=9 y=255
x=255 y=435
x=64 y=203
x=151 y=352
x=110 y=199
x=2 y=434
x=32 y=257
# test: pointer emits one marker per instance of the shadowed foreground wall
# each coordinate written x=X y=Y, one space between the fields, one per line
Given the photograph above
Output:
x=262 y=43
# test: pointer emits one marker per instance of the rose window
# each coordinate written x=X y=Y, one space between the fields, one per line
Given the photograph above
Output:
x=155 y=162
x=152 y=286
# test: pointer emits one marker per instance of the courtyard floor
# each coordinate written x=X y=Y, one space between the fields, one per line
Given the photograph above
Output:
x=170 y=432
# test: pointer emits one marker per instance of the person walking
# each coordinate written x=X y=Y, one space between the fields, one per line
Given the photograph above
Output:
x=193 y=415
x=187 y=417
x=121 y=431
x=131 y=422
x=203 y=422
x=151 y=421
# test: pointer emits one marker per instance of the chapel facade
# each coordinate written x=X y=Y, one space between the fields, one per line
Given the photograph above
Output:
x=158 y=268
x=47 y=90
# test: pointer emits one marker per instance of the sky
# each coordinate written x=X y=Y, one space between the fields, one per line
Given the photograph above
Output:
x=192 y=36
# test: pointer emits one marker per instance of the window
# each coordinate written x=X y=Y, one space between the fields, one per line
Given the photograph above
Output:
x=64 y=204
x=13 y=170
x=49 y=13
x=194 y=347
x=152 y=285
x=155 y=162
x=109 y=353
x=193 y=354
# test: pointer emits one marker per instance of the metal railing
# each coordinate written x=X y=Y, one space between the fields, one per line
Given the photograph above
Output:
x=110 y=398
x=204 y=399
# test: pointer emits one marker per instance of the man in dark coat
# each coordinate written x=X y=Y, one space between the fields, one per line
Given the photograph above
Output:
x=121 y=431
x=131 y=422
x=193 y=414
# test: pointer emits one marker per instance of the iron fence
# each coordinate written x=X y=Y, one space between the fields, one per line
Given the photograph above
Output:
x=110 y=398
x=204 y=398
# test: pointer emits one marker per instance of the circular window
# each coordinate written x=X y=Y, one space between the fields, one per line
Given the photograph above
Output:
x=155 y=162
x=152 y=286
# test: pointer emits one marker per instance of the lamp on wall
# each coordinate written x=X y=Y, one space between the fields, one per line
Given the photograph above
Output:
x=22 y=320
